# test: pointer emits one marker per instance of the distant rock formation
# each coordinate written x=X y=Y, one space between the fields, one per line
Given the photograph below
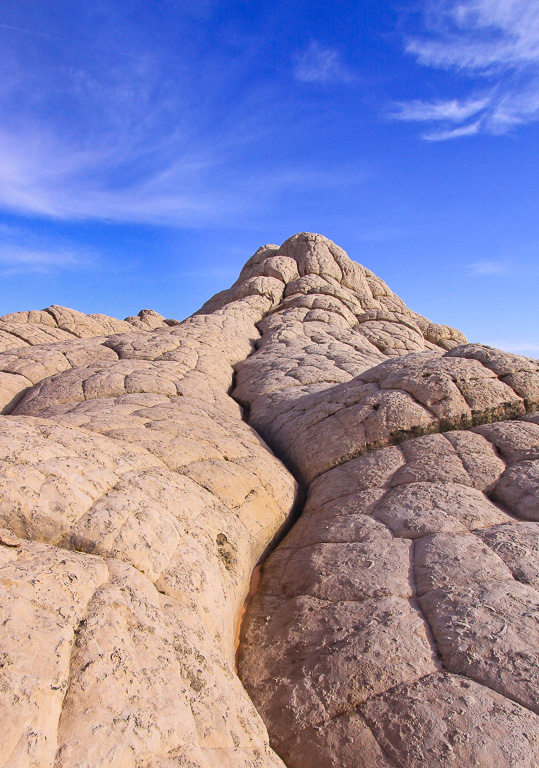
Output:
x=147 y=466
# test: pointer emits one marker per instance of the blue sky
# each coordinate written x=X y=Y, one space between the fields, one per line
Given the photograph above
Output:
x=148 y=147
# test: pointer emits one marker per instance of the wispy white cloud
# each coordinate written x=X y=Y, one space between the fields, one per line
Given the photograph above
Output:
x=451 y=111
x=480 y=35
x=41 y=175
x=167 y=134
x=453 y=133
x=515 y=107
x=154 y=137
x=488 y=268
x=321 y=64
x=496 y=41
x=35 y=33
x=16 y=258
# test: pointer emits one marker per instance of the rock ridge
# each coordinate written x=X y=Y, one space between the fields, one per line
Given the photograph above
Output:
x=394 y=625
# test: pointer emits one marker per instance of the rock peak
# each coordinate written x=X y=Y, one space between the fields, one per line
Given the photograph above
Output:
x=315 y=277
x=148 y=467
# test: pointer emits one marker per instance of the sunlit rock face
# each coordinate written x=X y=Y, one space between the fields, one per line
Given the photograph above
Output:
x=147 y=466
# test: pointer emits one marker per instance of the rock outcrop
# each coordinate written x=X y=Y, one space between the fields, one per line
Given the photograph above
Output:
x=147 y=466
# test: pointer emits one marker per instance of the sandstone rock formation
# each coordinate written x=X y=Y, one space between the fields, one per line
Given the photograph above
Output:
x=396 y=624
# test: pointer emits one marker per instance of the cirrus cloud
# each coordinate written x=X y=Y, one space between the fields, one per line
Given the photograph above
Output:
x=320 y=64
x=494 y=44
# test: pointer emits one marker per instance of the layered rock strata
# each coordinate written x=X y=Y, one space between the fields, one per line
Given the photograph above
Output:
x=395 y=625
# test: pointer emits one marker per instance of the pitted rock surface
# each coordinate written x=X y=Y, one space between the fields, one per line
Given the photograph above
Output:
x=397 y=622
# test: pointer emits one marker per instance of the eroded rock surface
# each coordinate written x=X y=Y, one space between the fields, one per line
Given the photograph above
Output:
x=135 y=503
x=397 y=624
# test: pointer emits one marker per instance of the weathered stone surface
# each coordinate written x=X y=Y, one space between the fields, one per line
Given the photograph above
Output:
x=390 y=403
x=143 y=471
x=518 y=546
x=320 y=617
x=447 y=720
x=472 y=615
x=395 y=624
x=57 y=322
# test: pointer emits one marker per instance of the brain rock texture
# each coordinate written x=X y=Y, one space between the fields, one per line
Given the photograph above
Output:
x=383 y=471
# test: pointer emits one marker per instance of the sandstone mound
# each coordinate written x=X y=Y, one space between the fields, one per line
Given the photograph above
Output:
x=397 y=622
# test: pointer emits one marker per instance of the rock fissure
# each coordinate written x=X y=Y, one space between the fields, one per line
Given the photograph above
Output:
x=438 y=659
x=77 y=630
